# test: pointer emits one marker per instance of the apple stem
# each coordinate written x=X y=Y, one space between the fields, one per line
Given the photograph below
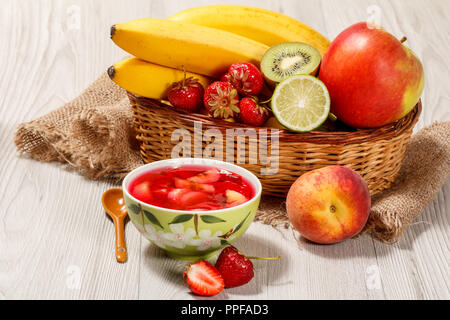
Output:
x=403 y=39
x=265 y=258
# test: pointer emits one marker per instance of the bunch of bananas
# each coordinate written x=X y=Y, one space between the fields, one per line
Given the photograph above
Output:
x=204 y=41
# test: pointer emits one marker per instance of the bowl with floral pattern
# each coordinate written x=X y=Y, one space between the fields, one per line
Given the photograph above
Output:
x=191 y=234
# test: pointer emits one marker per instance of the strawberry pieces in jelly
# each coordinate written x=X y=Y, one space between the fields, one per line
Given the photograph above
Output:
x=191 y=187
x=142 y=191
x=223 y=186
x=208 y=176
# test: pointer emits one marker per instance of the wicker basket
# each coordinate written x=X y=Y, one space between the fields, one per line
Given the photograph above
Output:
x=375 y=153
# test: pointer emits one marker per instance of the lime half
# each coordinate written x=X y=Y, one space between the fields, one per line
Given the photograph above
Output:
x=301 y=103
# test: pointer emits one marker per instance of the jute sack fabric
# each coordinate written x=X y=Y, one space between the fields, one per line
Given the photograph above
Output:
x=94 y=134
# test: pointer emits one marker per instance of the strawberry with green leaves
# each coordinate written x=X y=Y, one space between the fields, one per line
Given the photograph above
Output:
x=252 y=113
x=186 y=95
x=236 y=268
x=245 y=77
x=222 y=100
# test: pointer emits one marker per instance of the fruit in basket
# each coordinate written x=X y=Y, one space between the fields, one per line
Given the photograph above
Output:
x=373 y=79
x=186 y=95
x=272 y=122
x=265 y=26
x=174 y=44
x=287 y=59
x=301 y=103
x=222 y=100
x=148 y=79
x=328 y=205
x=251 y=112
x=245 y=77
x=203 y=278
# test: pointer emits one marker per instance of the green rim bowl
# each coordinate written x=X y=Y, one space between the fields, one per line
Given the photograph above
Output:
x=191 y=235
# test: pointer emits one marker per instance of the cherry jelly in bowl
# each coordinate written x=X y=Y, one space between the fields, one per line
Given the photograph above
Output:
x=191 y=188
x=191 y=207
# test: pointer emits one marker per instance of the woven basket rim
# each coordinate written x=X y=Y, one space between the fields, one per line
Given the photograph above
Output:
x=386 y=132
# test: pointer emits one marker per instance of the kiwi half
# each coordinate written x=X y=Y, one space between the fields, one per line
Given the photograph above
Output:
x=289 y=58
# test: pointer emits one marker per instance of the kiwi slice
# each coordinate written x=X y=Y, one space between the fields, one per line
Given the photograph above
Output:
x=289 y=58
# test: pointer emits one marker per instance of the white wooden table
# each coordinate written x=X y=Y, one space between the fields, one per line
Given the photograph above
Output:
x=55 y=239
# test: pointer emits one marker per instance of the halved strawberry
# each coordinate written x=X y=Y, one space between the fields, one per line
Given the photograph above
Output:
x=203 y=278
x=142 y=191
x=194 y=186
x=208 y=176
x=234 y=198
x=193 y=198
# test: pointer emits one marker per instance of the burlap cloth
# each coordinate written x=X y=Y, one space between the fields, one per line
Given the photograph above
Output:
x=94 y=134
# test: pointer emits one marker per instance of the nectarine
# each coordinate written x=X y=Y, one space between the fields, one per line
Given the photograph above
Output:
x=329 y=205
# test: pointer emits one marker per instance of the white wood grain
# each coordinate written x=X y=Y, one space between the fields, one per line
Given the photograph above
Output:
x=52 y=224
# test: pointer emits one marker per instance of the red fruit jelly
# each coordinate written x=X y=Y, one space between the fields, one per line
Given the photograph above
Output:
x=191 y=187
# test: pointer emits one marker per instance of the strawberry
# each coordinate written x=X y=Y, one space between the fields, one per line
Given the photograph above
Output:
x=234 y=198
x=142 y=191
x=175 y=195
x=208 y=176
x=186 y=95
x=194 y=186
x=245 y=77
x=221 y=100
x=224 y=77
x=193 y=198
x=203 y=278
x=235 y=268
x=252 y=113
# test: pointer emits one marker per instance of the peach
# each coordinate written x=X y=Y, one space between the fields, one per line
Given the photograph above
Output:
x=329 y=205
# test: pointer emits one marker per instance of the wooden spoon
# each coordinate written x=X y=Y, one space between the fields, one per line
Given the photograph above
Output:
x=112 y=201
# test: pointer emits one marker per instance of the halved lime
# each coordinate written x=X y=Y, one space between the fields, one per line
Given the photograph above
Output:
x=301 y=103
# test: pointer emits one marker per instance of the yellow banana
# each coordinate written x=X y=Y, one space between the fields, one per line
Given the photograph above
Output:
x=176 y=44
x=147 y=79
x=261 y=25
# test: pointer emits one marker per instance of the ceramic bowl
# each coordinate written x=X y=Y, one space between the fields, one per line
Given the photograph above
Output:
x=191 y=235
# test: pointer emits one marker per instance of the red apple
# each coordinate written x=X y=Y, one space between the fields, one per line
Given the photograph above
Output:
x=373 y=79
x=328 y=205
